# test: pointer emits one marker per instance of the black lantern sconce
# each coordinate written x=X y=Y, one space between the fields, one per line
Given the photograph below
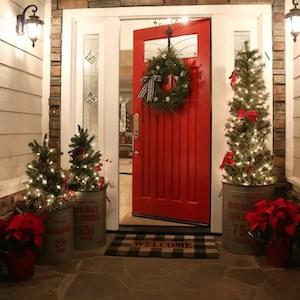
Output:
x=294 y=16
x=33 y=24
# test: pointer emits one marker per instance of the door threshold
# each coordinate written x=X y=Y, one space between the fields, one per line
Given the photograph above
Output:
x=191 y=223
x=198 y=230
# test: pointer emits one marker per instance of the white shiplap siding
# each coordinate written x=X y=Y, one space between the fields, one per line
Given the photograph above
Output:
x=21 y=75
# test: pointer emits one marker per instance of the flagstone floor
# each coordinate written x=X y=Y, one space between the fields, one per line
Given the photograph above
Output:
x=91 y=275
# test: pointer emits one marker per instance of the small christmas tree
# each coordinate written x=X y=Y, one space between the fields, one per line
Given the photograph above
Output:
x=248 y=161
x=85 y=163
x=46 y=187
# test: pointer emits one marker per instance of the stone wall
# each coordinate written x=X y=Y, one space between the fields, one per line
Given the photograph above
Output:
x=278 y=61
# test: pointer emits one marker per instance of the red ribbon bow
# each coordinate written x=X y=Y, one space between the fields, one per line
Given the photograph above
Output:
x=251 y=115
x=228 y=159
x=233 y=78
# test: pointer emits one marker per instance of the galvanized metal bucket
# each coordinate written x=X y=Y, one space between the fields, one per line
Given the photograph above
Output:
x=90 y=220
x=58 y=241
x=237 y=202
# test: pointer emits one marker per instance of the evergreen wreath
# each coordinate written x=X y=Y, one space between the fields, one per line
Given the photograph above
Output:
x=157 y=73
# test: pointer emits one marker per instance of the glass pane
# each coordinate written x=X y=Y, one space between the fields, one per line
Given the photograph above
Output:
x=186 y=45
x=90 y=84
x=239 y=38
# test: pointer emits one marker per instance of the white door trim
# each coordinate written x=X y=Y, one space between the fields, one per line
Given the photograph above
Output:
x=224 y=19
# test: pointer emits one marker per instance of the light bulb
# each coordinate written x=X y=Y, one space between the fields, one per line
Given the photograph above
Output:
x=184 y=20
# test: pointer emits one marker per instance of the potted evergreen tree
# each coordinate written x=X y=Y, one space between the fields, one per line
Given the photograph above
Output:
x=47 y=195
x=249 y=168
x=90 y=192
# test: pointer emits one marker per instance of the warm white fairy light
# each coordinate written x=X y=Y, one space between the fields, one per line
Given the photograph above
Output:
x=184 y=20
x=52 y=170
x=44 y=181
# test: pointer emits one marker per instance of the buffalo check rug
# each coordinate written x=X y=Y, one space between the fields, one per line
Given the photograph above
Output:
x=163 y=245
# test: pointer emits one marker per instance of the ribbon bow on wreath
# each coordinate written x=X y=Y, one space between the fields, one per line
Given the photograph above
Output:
x=148 y=87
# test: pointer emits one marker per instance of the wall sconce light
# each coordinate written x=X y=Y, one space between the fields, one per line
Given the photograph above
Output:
x=33 y=24
x=294 y=16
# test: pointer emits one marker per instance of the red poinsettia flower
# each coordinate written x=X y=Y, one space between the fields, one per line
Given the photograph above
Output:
x=26 y=229
x=228 y=159
x=272 y=219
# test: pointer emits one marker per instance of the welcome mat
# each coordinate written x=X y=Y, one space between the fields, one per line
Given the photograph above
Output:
x=163 y=245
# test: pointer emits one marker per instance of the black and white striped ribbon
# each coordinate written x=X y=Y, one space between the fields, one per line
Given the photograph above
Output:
x=148 y=86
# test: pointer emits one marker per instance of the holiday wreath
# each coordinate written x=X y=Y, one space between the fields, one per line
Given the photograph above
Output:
x=166 y=64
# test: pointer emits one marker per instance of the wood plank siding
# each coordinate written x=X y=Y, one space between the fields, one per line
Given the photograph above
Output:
x=21 y=75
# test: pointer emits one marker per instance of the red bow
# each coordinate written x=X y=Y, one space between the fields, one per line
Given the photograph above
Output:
x=251 y=115
x=228 y=159
x=99 y=167
x=233 y=78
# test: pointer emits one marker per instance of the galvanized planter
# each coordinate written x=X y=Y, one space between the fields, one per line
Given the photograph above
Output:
x=237 y=201
x=90 y=220
x=58 y=241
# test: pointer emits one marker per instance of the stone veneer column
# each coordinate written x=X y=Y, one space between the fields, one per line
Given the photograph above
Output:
x=278 y=62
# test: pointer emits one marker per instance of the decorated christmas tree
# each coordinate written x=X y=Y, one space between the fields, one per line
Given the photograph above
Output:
x=46 y=187
x=85 y=163
x=248 y=161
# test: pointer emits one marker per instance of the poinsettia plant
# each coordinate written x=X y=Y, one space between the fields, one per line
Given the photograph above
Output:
x=270 y=220
x=21 y=233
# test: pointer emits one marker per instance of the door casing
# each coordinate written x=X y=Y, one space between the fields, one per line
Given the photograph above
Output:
x=224 y=20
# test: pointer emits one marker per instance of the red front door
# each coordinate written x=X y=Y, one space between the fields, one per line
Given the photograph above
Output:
x=171 y=157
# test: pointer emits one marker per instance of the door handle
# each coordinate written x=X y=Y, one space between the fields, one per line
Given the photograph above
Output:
x=136 y=126
x=136 y=153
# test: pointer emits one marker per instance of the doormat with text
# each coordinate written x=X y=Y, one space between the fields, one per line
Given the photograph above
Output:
x=163 y=245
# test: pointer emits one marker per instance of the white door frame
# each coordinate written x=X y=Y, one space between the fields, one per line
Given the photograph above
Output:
x=224 y=20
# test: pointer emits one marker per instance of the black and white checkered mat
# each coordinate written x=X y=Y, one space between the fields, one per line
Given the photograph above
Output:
x=163 y=245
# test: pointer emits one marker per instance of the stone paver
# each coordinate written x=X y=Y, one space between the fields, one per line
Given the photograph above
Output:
x=94 y=286
x=248 y=276
x=91 y=275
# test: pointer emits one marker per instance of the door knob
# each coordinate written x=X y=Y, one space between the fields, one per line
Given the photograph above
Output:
x=136 y=153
